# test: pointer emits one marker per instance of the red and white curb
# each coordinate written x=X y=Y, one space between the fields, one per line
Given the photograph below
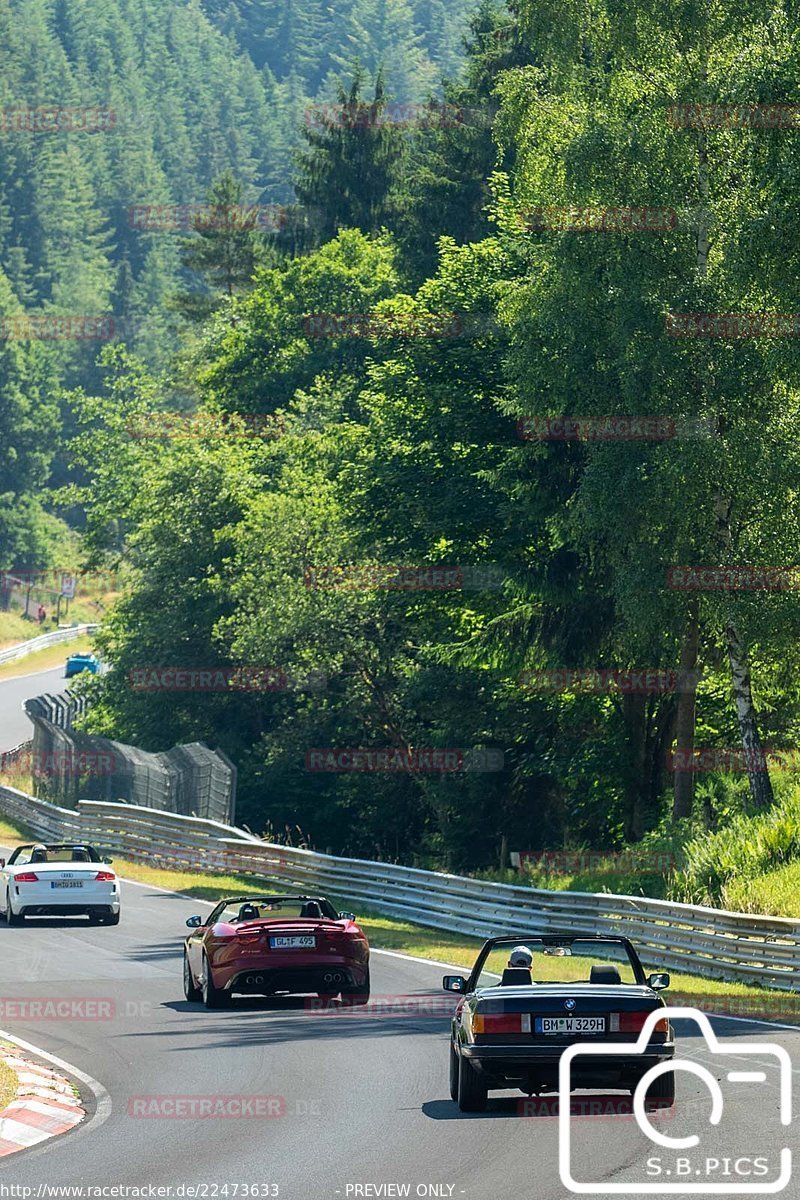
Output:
x=45 y=1105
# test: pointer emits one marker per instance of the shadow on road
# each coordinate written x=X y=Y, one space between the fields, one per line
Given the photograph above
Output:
x=588 y=1106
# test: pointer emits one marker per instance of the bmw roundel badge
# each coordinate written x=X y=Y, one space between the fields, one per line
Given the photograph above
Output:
x=569 y=1004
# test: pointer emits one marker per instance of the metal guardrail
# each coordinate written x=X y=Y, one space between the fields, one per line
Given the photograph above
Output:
x=12 y=653
x=704 y=941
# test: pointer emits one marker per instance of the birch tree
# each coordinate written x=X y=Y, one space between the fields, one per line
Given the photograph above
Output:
x=602 y=126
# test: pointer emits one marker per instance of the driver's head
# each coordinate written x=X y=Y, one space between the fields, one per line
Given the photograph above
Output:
x=520 y=956
x=39 y=854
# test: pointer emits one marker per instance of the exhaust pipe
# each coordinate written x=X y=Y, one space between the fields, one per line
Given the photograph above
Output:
x=333 y=977
x=254 y=980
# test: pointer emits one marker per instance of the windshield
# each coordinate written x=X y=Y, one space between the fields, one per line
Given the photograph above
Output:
x=22 y=856
x=271 y=908
x=568 y=961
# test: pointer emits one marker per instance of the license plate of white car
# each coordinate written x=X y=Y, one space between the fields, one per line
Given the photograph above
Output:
x=561 y=1025
x=66 y=883
x=293 y=943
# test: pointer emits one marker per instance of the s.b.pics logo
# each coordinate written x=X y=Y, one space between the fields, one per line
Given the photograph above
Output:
x=731 y=1107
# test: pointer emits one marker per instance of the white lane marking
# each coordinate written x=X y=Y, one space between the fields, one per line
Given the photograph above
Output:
x=168 y=891
x=754 y=1021
x=103 y=1100
x=706 y=1056
x=432 y=962
x=747 y=1076
x=435 y=962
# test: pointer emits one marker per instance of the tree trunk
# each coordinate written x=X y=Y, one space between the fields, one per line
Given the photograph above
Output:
x=760 y=782
x=755 y=761
x=683 y=796
x=503 y=852
x=634 y=715
x=660 y=736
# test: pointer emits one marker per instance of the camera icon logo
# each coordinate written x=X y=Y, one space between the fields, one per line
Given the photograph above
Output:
x=700 y=1169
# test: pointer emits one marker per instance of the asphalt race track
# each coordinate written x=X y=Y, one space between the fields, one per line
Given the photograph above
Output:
x=360 y=1104
x=364 y=1098
x=14 y=724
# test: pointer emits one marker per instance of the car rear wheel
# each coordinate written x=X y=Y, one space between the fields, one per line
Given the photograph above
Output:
x=11 y=917
x=111 y=917
x=472 y=1090
x=661 y=1093
x=213 y=997
x=190 y=989
x=453 y=1073
x=361 y=996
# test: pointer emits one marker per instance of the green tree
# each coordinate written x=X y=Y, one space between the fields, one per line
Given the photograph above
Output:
x=443 y=188
x=224 y=251
x=344 y=177
x=28 y=428
x=592 y=321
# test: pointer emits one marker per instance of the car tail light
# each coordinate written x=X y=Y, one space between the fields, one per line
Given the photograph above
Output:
x=501 y=1023
x=633 y=1022
x=26 y=877
x=248 y=939
x=342 y=940
x=104 y=877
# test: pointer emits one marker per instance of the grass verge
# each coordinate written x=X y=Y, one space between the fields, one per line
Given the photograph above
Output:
x=776 y=891
x=8 y=1082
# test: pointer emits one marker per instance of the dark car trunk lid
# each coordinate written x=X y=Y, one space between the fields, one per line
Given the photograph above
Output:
x=615 y=1012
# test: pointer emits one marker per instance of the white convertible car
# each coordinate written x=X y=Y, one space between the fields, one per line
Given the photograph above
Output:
x=63 y=879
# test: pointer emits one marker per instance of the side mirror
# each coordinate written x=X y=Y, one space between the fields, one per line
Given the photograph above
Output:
x=347 y=916
x=108 y=861
x=193 y=922
x=658 y=981
x=454 y=983
x=2 y=862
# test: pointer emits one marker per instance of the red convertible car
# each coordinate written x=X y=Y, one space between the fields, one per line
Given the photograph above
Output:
x=263 y=945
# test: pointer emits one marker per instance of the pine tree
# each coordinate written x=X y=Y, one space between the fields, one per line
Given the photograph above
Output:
x=18 y=272
x=346 y=175
x=382 y=36
x=224 y=252
x=443 y=191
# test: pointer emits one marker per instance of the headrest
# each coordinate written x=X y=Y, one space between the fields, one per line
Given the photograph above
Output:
x=519 y=976
x=604 y=974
